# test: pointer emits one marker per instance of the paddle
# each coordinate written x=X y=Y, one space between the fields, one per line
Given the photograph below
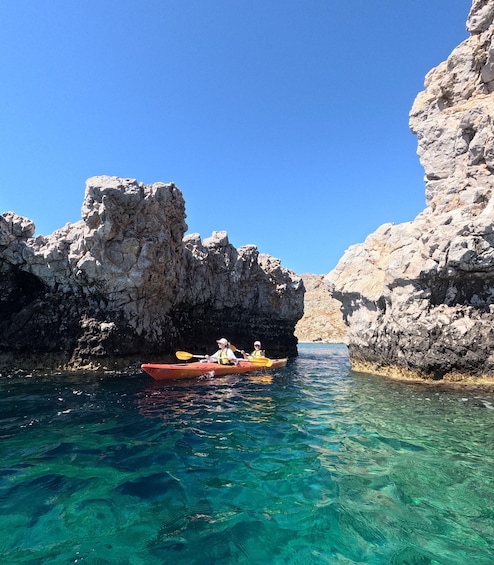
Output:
x=184 y=356
x=261 y=361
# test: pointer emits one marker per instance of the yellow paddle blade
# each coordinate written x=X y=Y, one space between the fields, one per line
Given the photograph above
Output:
x=183 y=355
x=261 y=361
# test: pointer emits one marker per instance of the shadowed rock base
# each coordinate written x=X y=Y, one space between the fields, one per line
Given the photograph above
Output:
x=405 y=374
x=124 y=286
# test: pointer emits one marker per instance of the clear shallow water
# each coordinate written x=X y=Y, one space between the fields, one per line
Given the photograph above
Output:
x=309 y=464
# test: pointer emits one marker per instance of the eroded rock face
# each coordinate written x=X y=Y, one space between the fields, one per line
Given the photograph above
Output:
x=124 y=283
x=418 y=297
x=322 y=321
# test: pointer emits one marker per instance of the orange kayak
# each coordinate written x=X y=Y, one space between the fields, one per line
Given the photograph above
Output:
x=161 y=371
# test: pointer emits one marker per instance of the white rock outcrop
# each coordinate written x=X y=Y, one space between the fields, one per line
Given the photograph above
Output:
x=418 y=298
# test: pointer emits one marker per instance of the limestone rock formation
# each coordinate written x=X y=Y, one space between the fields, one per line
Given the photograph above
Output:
x=418 y=298
x=124 y=283
x=322 y=321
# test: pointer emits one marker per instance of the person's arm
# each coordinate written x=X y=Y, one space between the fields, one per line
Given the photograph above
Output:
x=214 y=357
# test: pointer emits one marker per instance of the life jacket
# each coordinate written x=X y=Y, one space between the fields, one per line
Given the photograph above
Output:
x=257 y=353
x=223 y=357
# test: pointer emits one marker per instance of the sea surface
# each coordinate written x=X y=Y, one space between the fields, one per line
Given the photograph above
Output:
x=304 y=465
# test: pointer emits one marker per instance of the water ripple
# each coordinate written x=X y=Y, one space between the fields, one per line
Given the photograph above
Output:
x=310 y=464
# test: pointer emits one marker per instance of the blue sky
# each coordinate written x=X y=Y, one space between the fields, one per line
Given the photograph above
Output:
x=283 y=122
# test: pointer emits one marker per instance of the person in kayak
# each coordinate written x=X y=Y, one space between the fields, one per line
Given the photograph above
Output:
x=258 y=352
x=224 y=355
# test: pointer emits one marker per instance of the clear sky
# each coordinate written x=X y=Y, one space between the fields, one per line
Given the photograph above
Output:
x=283 y=122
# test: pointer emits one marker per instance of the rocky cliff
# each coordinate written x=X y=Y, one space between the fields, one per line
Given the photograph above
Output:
x=124 y=284
x=418 y=298
x=322 y=321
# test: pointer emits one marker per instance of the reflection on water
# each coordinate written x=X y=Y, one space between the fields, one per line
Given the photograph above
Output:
x=307 y=464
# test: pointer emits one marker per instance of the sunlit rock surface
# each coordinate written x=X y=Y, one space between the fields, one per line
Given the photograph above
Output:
x=418 y=297
x=322 y=321
x=124 y=284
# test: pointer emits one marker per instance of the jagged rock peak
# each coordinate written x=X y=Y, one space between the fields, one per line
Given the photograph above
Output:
x=126 y=282
x=418 y=298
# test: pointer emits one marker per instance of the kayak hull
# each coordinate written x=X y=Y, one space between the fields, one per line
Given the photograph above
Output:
x=164 y=371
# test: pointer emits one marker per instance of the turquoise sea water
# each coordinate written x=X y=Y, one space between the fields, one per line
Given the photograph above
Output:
x=306 y=465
